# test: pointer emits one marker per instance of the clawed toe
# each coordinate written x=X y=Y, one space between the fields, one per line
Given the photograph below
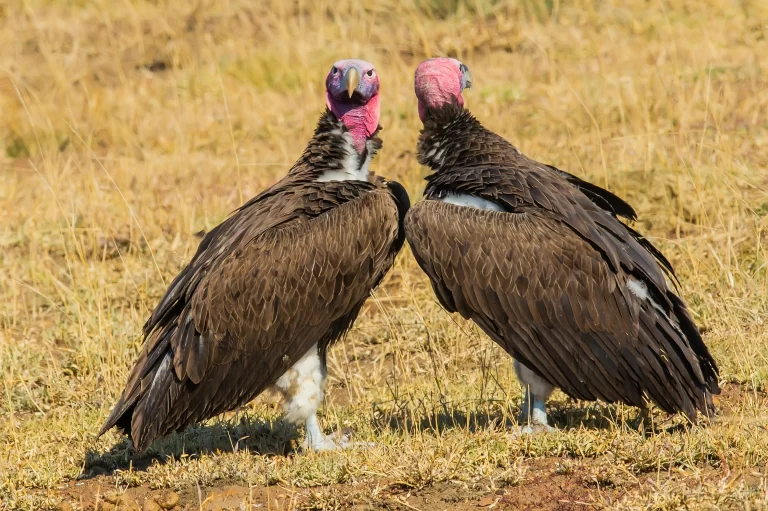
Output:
x=533 y=429
x=339 y=440
x=336 y=441
x=345 y=439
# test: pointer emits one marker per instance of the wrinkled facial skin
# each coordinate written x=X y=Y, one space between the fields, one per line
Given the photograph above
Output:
x=352 y=94
x=336 y=84
x=440 y=81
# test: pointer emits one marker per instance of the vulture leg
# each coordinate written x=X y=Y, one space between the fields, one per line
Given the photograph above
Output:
x=303 y=389
x=534 y=410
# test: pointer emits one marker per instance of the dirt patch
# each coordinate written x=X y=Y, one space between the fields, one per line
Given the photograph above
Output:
x=546 y=484
x=550 y=483
x=734 y=396
x=98 y=494
x=557 y=484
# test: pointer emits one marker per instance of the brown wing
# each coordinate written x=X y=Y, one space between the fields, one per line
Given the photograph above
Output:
x=250 y=306
x=554 y=302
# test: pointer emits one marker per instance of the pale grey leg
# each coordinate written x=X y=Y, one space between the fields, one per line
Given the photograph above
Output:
x=533 y=415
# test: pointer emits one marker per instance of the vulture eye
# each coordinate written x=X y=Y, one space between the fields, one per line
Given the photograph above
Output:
x=334 y=70
x=463 y=68
x=370 y=73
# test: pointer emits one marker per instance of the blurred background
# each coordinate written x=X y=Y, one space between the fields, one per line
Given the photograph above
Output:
x=128 y=127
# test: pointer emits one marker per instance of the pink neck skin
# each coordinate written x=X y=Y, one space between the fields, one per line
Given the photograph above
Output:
x=435 y=88
x=361 y=120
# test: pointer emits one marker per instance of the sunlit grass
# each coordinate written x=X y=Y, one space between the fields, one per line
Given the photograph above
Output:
x=127 y=127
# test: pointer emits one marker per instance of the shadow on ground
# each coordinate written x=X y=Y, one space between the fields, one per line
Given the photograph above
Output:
x=415 y=415
x=247 y=433
x=277 y=438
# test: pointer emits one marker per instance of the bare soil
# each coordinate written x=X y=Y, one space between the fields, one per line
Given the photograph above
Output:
x=550 y=483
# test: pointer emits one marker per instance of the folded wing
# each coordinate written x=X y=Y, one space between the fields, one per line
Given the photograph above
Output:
x=555 y=302
x=274 y=279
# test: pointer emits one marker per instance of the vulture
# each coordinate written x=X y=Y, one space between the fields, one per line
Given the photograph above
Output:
x=275 y=284
x=540 y=261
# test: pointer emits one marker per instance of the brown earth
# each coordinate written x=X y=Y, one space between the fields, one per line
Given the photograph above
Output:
x=551 y=483
x=548 y=484
x=545 y=488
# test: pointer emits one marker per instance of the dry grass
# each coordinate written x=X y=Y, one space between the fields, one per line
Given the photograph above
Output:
x=126 y=127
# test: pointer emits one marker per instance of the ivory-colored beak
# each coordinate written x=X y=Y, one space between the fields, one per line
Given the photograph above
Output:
x=353 y=79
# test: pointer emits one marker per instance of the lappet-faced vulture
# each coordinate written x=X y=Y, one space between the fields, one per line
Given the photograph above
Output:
x=276 y=283
x=540 y=261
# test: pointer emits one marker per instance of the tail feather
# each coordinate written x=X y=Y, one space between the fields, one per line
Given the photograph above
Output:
x=148 y=379
x=707 y=364
x=161 y=390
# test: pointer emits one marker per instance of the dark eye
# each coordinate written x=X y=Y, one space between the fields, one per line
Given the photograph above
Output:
x=370 y=73
x=463 y=68
x=334 y=70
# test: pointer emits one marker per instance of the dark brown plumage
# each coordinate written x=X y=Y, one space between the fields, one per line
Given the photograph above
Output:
x=288 y=270
x=553 y=276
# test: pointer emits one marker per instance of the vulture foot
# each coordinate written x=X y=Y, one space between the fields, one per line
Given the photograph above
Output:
x=315 y=440
x=333 y=442
x=537 y=390
x=533 y=429
x=533 y=413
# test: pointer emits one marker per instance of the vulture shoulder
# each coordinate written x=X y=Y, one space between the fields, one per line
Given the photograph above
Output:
x=517 y=182
x=600 y=196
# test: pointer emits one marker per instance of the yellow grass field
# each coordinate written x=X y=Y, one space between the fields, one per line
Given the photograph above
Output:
x=129 y=126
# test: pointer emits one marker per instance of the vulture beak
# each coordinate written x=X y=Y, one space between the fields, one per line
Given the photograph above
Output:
x=466 y=78
x=352 y=79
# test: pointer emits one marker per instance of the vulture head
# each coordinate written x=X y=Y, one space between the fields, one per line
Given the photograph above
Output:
x=352 y=95
x=440 y=81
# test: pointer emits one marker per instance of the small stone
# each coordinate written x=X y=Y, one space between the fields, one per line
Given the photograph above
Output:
x=151 y=505
x=114 y=501
x=227 y=497
x=64 y=506
x=487 y=501
x=168 y=499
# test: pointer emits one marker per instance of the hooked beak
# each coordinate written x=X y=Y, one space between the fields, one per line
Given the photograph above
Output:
x=466 y=78
x=352 y=79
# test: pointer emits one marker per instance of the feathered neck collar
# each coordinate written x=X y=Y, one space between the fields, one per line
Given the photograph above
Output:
x=446 y=130
x=331 y=152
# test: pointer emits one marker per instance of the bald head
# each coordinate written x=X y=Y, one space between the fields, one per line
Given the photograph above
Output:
x=352 y=94
x=440 y=81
